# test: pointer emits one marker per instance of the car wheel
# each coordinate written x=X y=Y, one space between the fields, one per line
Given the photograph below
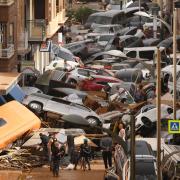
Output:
x=147 y=122
x=73 y=81
x=93 y=121
x=35 y=107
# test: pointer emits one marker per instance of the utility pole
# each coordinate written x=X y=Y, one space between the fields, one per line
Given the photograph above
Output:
x=139 y=5
x=158 y=114
x=176 y=6
x=133 y=156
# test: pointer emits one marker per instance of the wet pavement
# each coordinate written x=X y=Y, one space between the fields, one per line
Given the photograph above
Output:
x=97 y=173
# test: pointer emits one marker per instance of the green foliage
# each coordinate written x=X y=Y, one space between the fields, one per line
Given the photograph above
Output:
x=70 y=14
x=82 y=14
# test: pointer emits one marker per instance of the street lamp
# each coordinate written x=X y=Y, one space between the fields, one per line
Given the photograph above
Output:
x=144 y=14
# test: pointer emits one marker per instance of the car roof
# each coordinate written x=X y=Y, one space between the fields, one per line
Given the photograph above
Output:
x=126 y=37
x=149 y=48
x=109 y=13
x=170 y=68
x=104 y=77
x=108 y=25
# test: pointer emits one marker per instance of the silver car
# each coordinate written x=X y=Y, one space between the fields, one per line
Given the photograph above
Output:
x=44 y=103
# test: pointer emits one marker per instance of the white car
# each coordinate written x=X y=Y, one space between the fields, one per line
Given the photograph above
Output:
x=147 y=115
x=79 y=74
x=60 y=64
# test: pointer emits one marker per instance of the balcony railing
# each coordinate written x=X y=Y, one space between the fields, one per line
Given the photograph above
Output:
x=7 y=52
x=6 y=2
x=36 y=29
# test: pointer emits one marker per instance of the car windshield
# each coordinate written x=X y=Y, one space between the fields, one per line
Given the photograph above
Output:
x=105 y=38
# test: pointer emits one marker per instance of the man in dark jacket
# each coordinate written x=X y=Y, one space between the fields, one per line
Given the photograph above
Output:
x=44 y=141
x=106 y=145
x=85 y=152
x=56 y=155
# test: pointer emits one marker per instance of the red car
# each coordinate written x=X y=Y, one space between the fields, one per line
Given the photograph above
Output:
x=97 y=82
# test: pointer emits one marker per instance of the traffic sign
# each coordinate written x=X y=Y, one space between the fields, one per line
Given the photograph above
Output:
x=174 y=126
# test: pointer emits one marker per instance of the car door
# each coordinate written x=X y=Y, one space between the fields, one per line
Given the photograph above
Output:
x=58 y=106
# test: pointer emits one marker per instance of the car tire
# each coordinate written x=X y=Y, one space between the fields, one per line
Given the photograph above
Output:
x=73 y=81
x=93 y=121
x=147 y=122
x=36 y=107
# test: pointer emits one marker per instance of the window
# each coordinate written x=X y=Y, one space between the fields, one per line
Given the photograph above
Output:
x=83 y=72
x=102 y=83
x=57 y=6
x=54 y=65
x=11 y=33
x=146 y=54
x=131 y=54
x=2 y=32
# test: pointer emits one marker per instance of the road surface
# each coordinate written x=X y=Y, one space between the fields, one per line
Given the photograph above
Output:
x=97 y=173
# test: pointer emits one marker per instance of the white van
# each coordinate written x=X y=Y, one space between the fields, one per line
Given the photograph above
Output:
x=142 y=52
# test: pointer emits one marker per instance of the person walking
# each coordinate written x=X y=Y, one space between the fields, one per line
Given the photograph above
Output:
x=44 y=141
x=85 y=152
x=106 y=145
x=56 y=155
x=122 y=132
x=49 y=145
x=70 y=144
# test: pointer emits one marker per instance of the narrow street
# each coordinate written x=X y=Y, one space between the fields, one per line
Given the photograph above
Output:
x=97 y=172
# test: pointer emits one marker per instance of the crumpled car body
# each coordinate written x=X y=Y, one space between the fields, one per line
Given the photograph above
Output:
x=45 y=103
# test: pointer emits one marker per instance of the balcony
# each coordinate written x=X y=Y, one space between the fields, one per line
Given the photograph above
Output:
x=7 y=52
x=6 y=2
x=36 y=30
x=22 y=42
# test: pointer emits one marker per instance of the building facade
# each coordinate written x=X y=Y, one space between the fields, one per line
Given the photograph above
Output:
x=24 y=25
x=43 y=19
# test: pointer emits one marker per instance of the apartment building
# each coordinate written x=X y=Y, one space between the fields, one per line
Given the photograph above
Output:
x=43 y=18
x=24 y=25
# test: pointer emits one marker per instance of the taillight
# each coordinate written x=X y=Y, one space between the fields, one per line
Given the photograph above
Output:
x=108 y=67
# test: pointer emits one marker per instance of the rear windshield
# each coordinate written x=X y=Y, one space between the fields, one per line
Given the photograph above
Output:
x=145 y=170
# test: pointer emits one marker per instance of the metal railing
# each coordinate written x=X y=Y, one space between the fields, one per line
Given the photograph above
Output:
x=7 y=52
x=36 y=29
